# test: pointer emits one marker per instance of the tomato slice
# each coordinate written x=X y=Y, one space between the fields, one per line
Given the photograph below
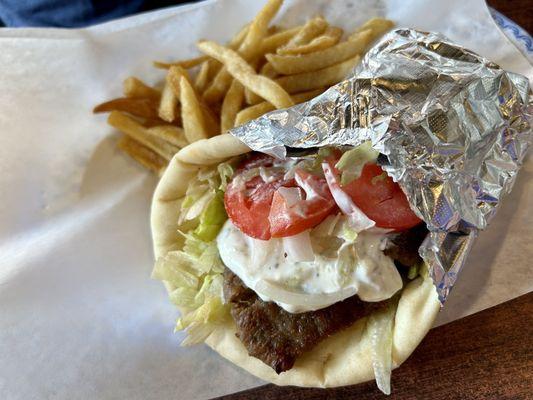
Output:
x=289 y=218
x=260 y=210
x=381 y=199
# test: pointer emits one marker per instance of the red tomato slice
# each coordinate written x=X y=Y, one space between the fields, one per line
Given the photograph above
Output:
x=248 y=203
x=259 y=210
x=289 y=218
x=381 y=199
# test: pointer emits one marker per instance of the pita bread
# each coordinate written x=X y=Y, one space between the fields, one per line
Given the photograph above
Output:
x=342 y=359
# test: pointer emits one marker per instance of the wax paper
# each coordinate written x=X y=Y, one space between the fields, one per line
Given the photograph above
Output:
x=79 y=316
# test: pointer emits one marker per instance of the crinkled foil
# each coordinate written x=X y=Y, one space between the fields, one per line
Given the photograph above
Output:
x=454 y=127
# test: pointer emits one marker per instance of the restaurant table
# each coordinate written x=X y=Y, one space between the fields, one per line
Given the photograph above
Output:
x=488 y=355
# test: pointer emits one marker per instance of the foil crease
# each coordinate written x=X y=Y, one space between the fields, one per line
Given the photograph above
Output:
x=454 y=127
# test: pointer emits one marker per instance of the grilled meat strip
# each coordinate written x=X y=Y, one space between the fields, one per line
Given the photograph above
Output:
x=278 y=337
x=403 y=246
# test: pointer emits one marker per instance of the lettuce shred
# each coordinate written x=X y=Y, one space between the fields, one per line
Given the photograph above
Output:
x=194 y=272
x=352 y=162
x=381 y=328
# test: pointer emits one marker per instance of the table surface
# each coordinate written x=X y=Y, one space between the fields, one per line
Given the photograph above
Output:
x=488 y=355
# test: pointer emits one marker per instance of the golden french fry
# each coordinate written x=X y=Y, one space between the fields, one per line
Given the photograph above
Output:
x=192 y=115
x=271 y=43
x=378 y=26
x=257 y=110
x=268 y=70
x=142 y=154
x=273 y=29
x=170 y=133
x=202 y=78
x=168 y=106
x=210 y=116
x=138 y=106
x=148 y=123
x=214 y=67
x=136 y=131
x=251 y=98
x=134 y=87
x=174 y=75
x=231 y=106
x=291 y=64
x=253 y=112
x=190 y=63
x=245 y=74
x=330 y=38
x=219 y=86
x=259 y=29
x=317 y=79
x=312 y=28
x=237 y=40
x=249 y=48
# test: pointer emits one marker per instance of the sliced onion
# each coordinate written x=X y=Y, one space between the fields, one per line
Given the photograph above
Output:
x=358 y=219
x=380 y=326
x=298 y=247
x=307 y=300
x=292 y=195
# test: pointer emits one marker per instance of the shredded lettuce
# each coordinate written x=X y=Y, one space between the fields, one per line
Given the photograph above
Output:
x=201 y=322
x=380 y=327
x=194 y=272
x=212 y=218
x=352 y=162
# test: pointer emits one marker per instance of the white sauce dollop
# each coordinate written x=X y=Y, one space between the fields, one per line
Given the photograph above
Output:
x=368 y=273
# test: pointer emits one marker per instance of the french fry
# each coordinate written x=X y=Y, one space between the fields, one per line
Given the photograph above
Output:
x=173 y=78
x=169 y=133
x=249 y=49
x=252 y=98
x=142 y=154
x=291 y=64
x=134 y=87
x=192 y=116
x=136 y=131
x=211 y=119
x=190 y=63
x=202 y=78
x=257 y=110
x=148 y=123
x=231 y=106
x=214 y=67
x=301 y=62
x=237 y=40
x=168 y=106
x=138 y=106
x=217 y=89
x=312 y=28
x=258 y=29
x=271 y=43
x=316 y=79
x=330 y=38
x=253 y=112
x=245 y=74
x=268 y=70
x=378 y=26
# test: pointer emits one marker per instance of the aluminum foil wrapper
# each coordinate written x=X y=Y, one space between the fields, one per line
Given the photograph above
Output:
x=453 y=126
